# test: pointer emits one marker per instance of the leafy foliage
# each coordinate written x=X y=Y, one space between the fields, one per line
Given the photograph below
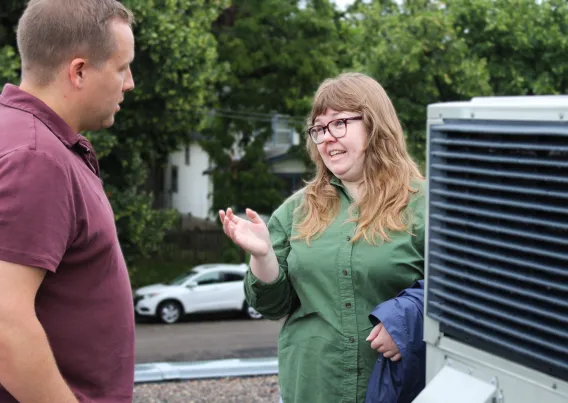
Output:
x=278 y=52
x=223 y=69
x=427 y=51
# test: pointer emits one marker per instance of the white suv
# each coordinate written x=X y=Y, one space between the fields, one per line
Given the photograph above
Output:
x=206 y=288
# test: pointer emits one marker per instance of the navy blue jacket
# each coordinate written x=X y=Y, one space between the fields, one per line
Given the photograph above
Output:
x=403 y=317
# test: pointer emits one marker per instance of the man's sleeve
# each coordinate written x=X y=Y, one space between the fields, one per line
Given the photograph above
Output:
x=36 y=210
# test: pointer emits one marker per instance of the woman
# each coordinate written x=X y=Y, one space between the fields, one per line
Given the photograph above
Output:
x=351 y=239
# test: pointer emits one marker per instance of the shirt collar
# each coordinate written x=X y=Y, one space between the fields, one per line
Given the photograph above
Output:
x=14 y=97
x=336 y=181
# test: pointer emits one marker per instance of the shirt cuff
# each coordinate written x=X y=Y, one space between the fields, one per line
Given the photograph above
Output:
x=260 y=287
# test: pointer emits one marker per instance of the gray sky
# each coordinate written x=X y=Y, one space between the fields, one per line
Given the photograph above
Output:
x=342 y=4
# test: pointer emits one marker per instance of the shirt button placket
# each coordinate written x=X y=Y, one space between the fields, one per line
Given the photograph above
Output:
x=348 y=318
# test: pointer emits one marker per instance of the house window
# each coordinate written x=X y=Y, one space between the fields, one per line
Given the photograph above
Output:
x=174 y=184
x=187 y=155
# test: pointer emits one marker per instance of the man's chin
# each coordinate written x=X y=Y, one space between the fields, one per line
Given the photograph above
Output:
x=108 y=123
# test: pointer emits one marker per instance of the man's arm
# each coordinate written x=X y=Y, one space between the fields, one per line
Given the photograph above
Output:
x=27 y=366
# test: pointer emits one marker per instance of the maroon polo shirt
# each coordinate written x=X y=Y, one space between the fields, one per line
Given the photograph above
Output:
x=54 y=214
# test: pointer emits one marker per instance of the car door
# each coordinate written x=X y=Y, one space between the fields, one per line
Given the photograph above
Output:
x=206 y=292
x=233 y=293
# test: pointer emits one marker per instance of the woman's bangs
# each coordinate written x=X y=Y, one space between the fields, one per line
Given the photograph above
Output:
x=333 y=96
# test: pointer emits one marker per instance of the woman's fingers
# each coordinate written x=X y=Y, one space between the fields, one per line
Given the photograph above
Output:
x=374 y=332
x=231 y=227
x=376 y=344
x=254 y=217
x=389 y=354
x=230 y=214
x=244 y=233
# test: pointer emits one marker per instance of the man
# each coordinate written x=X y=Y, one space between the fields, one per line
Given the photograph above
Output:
x=66 y=314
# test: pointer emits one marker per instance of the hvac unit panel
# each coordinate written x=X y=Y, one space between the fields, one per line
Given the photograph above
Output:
x=498 y=238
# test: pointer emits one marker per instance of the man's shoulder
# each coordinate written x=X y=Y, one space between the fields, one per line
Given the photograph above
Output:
x=21 y=131
x=17 y=129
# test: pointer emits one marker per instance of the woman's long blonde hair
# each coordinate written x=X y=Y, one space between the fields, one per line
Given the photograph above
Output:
x=388 y=169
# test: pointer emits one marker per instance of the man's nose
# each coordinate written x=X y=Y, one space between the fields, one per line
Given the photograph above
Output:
x=129 y=82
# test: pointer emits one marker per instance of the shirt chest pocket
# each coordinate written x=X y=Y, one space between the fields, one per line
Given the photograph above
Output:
x=311 y=265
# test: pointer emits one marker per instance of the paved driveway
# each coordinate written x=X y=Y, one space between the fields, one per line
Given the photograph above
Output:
x=206 y=338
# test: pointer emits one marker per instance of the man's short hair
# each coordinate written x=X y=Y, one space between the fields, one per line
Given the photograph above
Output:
x=51 y=32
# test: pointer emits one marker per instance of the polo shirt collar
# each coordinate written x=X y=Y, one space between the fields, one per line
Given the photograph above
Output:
x=14 y=97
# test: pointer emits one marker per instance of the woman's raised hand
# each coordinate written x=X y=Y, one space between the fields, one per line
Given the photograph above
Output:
x=251 y=235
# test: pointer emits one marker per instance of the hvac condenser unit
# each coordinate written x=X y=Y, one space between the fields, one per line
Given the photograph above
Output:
x=496 y=317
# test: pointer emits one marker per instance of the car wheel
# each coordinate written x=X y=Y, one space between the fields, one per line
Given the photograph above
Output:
x=250 y=312
x=170 y=312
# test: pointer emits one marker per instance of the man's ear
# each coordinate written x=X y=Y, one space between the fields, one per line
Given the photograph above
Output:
x=77 y=72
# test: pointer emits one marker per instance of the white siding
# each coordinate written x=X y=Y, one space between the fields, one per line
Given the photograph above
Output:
x=193 y=187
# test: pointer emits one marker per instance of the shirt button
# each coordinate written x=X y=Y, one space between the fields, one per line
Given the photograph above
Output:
x=348 y=305
x=351 y=340
x=348 y=238
x=344 y=272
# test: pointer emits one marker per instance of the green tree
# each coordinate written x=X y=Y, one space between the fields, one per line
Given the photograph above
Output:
x=426 y=51
x=417 y=53
x=524 y=42
x=175 y=70
x=279 y=52
x=10 y=11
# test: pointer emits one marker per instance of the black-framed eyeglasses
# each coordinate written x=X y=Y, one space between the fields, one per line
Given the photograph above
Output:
x=337 y=128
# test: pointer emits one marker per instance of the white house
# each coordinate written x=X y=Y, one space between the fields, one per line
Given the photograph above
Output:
x=188 y=186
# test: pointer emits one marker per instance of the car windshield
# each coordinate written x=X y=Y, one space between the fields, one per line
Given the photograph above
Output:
x=183 y=278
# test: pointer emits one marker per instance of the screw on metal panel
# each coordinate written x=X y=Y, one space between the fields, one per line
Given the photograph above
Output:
x=472 y=115
x=437 y=342
x=561 y=116
x=493 y=380
x=554 y=386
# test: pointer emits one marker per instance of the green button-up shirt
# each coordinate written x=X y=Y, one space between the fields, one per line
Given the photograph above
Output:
x=328 y=289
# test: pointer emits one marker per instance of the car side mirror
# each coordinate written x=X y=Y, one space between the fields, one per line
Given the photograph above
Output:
x=191 y=284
